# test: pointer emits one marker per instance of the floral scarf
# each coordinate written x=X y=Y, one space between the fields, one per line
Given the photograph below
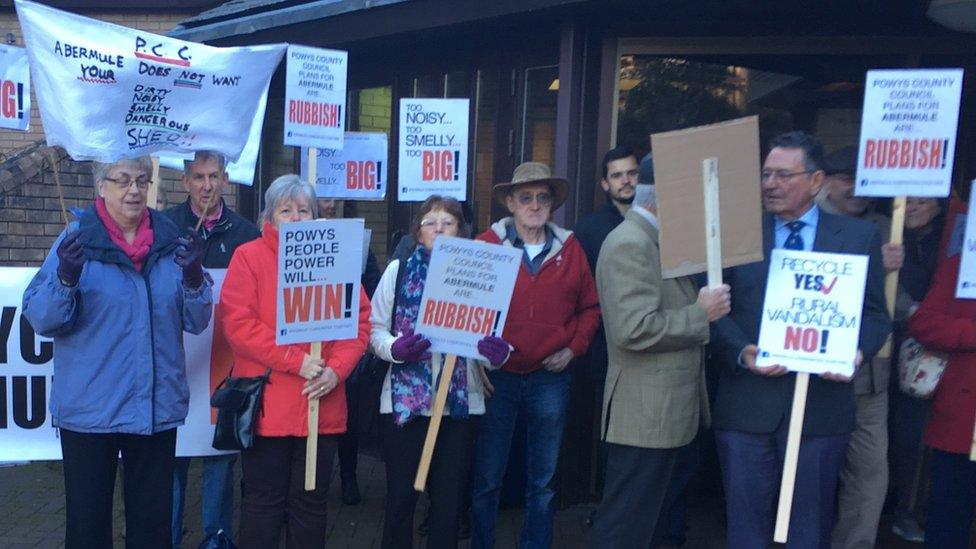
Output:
x=412 y=383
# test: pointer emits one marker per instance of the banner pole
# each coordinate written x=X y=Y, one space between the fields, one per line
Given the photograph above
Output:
x=891 y=279
x=152 y=198
x=713 y=222
x=312 y=442
x=788 y=481
x=436 y=414
x=51 y=155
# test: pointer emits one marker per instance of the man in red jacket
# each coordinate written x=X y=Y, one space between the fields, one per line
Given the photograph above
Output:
x=552 y=317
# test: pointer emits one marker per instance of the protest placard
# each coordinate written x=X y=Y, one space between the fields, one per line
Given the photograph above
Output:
x=433 y=148
x=812 y=312
x=318 y=280
x=966 y=284
x=908 y=132
x=466 y=297
x=15 y=97
x=27 y=370
x=107 y=92
x=315 y=97
x=357 y=172
x=678 y=171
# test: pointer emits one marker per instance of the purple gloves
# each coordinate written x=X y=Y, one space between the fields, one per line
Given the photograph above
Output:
x=494 y=349
x=189 y=256
x=71 y=258
x=410 y=347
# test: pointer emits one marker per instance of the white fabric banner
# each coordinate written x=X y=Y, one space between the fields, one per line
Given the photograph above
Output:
x=908 y=132
x=15 y=97
x=107 y=92
x=811 y=316
x=357 y=172
x=433 y=149
x=319 y=264
x=27 y=367
x=467 y=294
x=315 y=97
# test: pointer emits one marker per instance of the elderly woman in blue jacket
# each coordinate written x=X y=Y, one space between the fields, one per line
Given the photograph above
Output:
x=116 y=293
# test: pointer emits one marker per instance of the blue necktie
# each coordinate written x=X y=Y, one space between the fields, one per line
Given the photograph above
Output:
x=794 y=241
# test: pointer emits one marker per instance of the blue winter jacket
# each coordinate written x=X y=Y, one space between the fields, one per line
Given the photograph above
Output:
x=118 y=334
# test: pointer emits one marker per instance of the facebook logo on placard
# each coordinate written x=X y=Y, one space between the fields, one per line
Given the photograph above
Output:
x=965 y=284
x=764 y=354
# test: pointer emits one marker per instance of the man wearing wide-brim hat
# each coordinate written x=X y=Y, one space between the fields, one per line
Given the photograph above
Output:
x=553 y=315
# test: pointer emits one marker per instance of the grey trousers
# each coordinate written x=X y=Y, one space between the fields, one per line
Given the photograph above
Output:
x=864 y=479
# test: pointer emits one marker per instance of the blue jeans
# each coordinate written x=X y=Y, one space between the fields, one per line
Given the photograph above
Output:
x=541 y=396
x=218 y=496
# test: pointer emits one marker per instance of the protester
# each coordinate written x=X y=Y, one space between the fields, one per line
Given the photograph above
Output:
x=410 y=389
x=553 y=314
x=347 y=444
x=222 y=231
x=274 y=467
x=864 y=479
x=946 y=324
x=655 y=396
x=923 y=229
x=116 y=293
x=751 y=413
x=577 y=466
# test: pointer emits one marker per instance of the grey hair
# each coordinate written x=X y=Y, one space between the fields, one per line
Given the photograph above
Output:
x=286 y=187
x=101 y=169
x=204 y=156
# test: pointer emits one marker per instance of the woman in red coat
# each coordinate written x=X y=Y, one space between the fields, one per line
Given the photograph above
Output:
x=274 y=467
x=944 y=323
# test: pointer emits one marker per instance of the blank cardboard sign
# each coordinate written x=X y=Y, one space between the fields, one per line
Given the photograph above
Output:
x=678 y=157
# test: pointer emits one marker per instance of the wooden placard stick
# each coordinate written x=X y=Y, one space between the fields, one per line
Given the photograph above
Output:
x=51 y=156
x=713 y=222
x=792 y=454
x=436 y=414
x=312 y=442
x=891 y=279
x=152 y=198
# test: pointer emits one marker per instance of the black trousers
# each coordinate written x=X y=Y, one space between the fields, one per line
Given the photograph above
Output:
x=274 y=493
x=446 y=482
x=636 y=488
x=90 y=463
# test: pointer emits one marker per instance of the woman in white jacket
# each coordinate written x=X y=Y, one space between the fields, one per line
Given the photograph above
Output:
x=410 y=388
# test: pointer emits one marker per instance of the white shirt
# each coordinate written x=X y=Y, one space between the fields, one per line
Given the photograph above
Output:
x=646 y=214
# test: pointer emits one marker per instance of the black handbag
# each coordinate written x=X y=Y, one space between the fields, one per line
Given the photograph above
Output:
x=238 y=401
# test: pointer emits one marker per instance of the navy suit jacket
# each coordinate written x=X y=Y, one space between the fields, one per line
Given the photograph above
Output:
x=758 y=404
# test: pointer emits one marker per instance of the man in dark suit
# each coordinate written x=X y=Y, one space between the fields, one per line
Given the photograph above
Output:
x=752 y=409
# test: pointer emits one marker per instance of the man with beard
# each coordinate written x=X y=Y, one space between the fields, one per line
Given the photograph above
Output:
x=576 y=464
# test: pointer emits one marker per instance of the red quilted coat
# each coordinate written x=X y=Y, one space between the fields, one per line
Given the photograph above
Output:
x=247 y=314
x=944 y=323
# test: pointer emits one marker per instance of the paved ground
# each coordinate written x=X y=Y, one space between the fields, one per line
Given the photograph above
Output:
x=32 y=514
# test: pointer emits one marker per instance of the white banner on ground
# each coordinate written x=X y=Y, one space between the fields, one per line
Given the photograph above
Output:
x=15 y=97
x=908 y=132
x=467 y=294
x=357 y=172
x=315 y=97
x=107 y=92
x=966 y=285
x=811 y=317
x=27 y=368
x=433 y=149
x=318 y=280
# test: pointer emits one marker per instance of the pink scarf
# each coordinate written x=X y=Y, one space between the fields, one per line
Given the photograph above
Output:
x=213 y=217
x=139 y=249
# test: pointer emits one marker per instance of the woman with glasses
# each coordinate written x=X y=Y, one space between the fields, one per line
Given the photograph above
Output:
x=409 y=390
x=116 y=293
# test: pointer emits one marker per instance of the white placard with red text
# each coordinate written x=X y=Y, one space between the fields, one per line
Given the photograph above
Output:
x=908 y=132
x=966 y=283
x=433 y=149
x=27 y=368
x=467 y=294
x=319 y=276
x=811 y=317
x=15 y=100
x=315 y=97
x=357 y=172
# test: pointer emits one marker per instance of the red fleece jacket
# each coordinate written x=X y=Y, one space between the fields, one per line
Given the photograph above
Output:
x=555 y=308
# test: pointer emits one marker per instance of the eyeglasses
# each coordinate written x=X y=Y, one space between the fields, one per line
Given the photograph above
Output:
x=544 y=199
x=444 y=223
x=780 y=175
x=123 y=182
